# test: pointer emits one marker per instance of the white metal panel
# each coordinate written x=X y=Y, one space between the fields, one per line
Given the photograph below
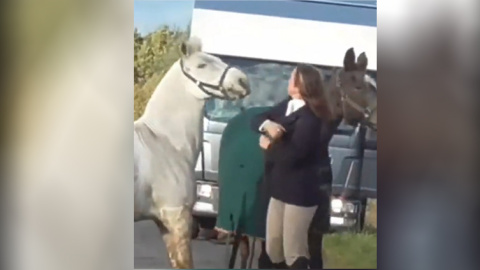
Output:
x=282 y=39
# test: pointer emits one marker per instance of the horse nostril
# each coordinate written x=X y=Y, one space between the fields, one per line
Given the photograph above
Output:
x=243 y=83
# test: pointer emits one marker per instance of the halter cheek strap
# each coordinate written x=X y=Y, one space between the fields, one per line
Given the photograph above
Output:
x=367 y=112
x=201 y=85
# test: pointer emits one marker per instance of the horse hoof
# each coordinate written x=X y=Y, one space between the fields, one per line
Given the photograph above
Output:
x=223 y=239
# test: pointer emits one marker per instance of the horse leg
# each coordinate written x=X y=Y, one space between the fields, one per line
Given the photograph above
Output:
x=244 y=252
x=233 y=256
x=177 y=235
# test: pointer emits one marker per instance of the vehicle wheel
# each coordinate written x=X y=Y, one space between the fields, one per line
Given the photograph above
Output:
x=195 y=228
x=206 y=222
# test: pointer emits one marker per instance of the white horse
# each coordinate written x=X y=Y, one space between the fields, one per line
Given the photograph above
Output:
x=167 y=142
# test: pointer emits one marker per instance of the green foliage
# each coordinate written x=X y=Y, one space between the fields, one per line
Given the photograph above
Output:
x=154 y=54
x=138 y=41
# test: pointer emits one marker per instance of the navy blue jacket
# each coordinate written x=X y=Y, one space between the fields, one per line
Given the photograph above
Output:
x=298 y=163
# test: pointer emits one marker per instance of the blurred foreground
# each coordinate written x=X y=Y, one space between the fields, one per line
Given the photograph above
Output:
x=68 y=105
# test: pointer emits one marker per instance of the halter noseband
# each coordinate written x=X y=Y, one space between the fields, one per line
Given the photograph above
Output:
x=202 y=85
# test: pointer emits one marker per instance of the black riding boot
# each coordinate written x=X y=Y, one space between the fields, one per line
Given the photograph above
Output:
x=316 y=262
x=281 y=265
x=300 y=263
x=315 y=248
x=264 y=261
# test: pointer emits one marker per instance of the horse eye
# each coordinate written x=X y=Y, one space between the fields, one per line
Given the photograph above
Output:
x=202 y=65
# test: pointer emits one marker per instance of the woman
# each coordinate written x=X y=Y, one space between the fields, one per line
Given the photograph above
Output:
x=295 y=136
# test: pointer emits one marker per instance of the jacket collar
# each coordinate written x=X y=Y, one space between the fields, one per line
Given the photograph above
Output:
x=300 y=112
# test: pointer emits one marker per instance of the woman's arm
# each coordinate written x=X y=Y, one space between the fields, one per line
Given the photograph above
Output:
x=304 y=137
x=262 y=118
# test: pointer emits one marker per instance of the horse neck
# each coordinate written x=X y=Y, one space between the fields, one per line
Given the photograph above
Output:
x=366 y=98
x=174 y=112
x=371 y=96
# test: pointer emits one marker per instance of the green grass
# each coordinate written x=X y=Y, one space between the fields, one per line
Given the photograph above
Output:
x=350 y=251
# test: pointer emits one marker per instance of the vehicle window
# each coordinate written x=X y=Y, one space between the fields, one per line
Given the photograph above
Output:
x=268 y=82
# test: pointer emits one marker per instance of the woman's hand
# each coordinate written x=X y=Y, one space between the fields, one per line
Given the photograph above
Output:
x=274 y=130
x=264 y=142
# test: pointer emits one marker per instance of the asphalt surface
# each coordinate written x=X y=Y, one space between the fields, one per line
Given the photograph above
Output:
x=150 y=251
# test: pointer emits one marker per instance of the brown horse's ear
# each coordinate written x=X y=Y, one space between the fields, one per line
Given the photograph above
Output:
x=349 y=60
x=362 y=62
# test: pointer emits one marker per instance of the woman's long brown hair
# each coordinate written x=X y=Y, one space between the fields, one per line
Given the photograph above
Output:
x=310 y=83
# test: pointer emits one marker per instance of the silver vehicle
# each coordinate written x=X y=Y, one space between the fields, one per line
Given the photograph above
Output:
x=266 y=39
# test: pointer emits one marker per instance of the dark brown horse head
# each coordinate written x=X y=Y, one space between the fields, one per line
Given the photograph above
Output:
x=358 y=89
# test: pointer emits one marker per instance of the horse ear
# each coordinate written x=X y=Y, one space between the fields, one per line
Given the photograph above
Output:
x=362 y=62
x=349 y=60
x=191 y=46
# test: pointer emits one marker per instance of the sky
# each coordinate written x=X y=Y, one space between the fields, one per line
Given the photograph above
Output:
x=149 y=15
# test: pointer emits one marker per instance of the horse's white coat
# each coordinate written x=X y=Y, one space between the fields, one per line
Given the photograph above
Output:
x=166 y=145
x=168 y=136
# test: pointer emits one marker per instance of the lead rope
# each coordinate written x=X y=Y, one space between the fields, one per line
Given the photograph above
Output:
x=203 y=155
x=227 y=251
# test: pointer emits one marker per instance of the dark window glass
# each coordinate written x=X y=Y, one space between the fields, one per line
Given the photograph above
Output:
x=268 y=82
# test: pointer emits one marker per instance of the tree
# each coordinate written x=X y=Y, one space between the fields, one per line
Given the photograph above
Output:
x=154 y=54
x=138 y=41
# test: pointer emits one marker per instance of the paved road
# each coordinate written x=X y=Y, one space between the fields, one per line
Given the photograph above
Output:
x=150 y=251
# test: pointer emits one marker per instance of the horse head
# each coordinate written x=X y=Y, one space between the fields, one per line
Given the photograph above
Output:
x=357 y=90
x=208 y=76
